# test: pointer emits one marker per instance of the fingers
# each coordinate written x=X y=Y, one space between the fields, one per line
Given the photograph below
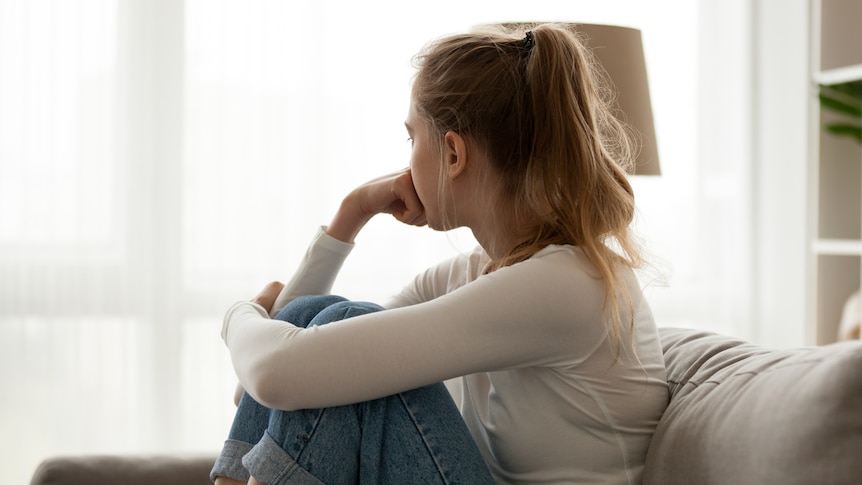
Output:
x=392 y=194
x=409 y=209
x=266 y=298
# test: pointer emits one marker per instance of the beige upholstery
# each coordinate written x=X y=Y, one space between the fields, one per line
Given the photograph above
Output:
x=741 y=414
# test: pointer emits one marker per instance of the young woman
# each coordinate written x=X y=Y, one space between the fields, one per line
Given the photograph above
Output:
x=560 y=376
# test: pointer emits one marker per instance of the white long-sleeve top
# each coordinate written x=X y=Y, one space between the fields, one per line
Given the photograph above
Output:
x=543 y=391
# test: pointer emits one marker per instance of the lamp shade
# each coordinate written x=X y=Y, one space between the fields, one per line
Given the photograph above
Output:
x=619 y=51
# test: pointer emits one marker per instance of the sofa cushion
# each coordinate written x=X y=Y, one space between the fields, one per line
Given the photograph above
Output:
x=126 y=470
x=740 y=413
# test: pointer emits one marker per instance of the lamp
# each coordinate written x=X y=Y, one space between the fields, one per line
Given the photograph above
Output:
x=619 y=51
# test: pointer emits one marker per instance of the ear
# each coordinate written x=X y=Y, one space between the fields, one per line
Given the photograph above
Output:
x=456 y=154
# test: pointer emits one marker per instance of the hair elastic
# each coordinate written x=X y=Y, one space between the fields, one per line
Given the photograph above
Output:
x=528 y=41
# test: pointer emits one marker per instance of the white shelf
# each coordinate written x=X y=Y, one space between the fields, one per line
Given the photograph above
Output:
x=839 y=75
x=838 y=247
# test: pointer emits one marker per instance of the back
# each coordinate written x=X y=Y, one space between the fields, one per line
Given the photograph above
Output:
x=574 y=414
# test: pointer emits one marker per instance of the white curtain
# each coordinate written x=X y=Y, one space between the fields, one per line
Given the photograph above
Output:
x=162 y=159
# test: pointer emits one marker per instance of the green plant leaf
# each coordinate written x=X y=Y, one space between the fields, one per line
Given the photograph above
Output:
x=841 y=105
x=851 y=89
x=844 y=99
x=843 y=129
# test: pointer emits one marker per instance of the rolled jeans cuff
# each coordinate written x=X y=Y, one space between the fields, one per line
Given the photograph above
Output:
x=229 y=461
x=273 y=466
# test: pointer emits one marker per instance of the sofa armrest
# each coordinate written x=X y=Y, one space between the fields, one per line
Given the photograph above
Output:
x=741 y=413
x=126 y=470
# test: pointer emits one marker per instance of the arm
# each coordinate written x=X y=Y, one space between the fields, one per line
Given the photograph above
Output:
x=528 y=314
x=393 y=194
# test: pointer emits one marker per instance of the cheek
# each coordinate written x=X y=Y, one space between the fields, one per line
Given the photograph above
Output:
x=423 y=178
x=423 y=188
x=425 y=183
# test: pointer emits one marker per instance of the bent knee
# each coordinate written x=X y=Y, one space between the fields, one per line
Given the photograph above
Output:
x=343 y=310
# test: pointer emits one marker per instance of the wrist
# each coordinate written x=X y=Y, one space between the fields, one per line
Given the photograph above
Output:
x=348 y=220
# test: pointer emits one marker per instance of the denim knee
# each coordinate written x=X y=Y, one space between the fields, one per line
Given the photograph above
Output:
x=302 y=310
x=343 y=310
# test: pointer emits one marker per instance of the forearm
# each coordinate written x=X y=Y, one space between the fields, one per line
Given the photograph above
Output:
x=348 y=220
x=317 y=271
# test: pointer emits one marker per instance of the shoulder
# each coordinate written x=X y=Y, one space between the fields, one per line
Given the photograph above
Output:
x=442 y=278
x=561 y=278
x=556 y=265
x=569 y=265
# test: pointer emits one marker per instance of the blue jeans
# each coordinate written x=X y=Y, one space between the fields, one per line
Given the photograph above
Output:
x=415 y=437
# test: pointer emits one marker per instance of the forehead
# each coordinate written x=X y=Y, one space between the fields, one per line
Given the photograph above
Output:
x=414 y=121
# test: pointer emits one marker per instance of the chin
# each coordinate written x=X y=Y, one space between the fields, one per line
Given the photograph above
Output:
x=436 y=226
x=441 y=226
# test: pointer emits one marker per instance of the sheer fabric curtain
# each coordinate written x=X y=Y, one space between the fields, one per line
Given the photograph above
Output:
x=162 y=159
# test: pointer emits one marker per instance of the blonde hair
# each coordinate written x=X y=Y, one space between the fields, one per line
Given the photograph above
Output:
x=541 y=111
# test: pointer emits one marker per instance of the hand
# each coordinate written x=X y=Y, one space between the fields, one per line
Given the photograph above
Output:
x=266 y=298
x=391 y=194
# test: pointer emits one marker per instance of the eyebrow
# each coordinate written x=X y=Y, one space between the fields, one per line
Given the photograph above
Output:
x=409 y=129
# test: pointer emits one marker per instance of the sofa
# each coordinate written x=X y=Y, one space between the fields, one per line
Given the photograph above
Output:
x=738 y=414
